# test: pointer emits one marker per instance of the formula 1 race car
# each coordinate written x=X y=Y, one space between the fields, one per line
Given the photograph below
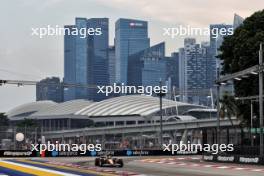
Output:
x=108 y=161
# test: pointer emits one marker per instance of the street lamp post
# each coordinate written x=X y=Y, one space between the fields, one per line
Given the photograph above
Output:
x=161 y=94
x=251 y=122
x=161 y=125
x=218 y=116
x=261 y=100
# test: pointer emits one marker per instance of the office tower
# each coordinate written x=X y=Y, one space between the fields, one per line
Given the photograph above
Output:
x=210 y=65
x=75 y=61
x=182 y=75
x=69 y=63
x=238 y=20
x=147 y=67
x=215 y=43
x=189 y=41
x=131 y=36
x=85 y=59
x=49 y=89
x=98 y=57
x=193 y=67
x=81 y=55
x=172 y=68
x=111 y=64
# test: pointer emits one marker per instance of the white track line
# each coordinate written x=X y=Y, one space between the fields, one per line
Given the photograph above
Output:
x=257 y=170
x=171 y=161
x=222 y=167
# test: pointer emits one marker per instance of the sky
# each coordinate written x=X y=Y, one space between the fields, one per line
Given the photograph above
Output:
x=27 y=57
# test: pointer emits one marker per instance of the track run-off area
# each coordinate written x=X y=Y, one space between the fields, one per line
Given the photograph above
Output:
x=136 y=166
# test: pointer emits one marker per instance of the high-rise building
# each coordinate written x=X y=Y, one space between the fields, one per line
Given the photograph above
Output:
x=210 y=65
x=216 y=41
x=98 y=74
x=85 y=59
x=147 y=67
x=182 y=75
x=131 y=36
x=238 y=20
x=111 y=64
x=49 y=89
x=70 y=64
x=172 y=67
x=193 y=67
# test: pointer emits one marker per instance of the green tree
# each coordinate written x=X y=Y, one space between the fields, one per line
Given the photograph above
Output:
x=229 y=108
x=240 y=51
x=27 y=123
x=4 y=121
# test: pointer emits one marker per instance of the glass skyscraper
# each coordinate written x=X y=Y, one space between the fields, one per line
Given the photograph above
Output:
x=98 y=57
x=111 y=64
x=81 y=56
x=70 y=63
x=238 y=20
x=217 y=40
x=131 y=36
x=215 y=44
x=173 y=69
x=49 y=89
x=194 y=66
x=147 y=67
x=85 y=59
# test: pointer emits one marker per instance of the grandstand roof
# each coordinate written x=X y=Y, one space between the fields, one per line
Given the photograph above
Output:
x=140 y=105
x=30 y=108
x=132 y=105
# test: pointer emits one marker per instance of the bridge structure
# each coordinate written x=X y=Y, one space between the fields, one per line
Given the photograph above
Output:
x=195 y=131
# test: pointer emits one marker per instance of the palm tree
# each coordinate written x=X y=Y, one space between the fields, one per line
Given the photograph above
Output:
x=28 y=126
x=4 y=125
x=4 y=121
x=229 y=109
x=27 y=123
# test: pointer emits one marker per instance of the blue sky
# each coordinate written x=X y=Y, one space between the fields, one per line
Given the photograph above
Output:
x=30 y=58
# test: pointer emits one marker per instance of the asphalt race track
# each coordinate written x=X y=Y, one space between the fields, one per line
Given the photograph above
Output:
x=152 y=166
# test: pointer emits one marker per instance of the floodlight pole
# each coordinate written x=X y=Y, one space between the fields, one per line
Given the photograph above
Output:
x=251 y=123
x=218 y=116
x=161 y=125
x=261 y=100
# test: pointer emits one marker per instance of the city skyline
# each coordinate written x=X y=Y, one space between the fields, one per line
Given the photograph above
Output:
x=36 y=59
x=136 y=46
x=132 y=87
x=86 y=58
x=87 y=61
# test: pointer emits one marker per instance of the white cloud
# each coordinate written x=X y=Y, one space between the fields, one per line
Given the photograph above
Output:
x=192 y=12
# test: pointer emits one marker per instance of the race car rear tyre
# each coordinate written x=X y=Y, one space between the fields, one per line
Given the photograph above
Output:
x=97 y=162
x=101 y=164
x=120 y=162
